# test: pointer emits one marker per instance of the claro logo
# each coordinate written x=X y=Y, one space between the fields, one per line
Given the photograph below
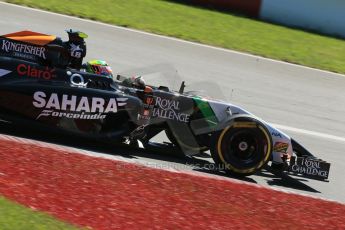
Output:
x=30 y=71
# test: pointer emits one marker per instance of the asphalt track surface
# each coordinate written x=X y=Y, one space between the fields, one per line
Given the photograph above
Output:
x=307 y=104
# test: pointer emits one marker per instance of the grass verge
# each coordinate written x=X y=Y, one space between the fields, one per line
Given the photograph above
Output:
x=209 y=27
x=14 y=216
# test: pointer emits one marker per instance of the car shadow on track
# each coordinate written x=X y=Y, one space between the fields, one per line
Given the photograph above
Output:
x=202 y=163
x=273 y=179
x=285 y=180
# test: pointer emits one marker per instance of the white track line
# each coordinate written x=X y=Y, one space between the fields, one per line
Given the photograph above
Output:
x=308 y=132
x=171 y=38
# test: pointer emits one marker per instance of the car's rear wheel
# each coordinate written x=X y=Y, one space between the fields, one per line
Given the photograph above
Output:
x=243 y=147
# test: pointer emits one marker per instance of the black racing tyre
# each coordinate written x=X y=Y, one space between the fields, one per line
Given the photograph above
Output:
x=243 y=147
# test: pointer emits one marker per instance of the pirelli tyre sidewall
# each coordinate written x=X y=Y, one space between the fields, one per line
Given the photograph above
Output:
x=243 y=147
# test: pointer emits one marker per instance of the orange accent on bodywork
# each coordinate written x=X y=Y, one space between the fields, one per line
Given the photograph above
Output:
x=31 y=37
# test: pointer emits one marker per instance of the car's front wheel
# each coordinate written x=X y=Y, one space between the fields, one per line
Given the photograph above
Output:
x=243 y=147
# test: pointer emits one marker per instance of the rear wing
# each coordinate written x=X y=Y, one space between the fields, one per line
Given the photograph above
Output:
x=26 y=45
x=43 y=49
x=30 y=37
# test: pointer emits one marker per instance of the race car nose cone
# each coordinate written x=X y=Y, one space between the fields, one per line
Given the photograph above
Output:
x=243 y=146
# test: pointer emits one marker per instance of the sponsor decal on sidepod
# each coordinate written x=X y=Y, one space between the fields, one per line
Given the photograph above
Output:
x=74 y=107
x=77 y=80
x=31 y=71
x=169 y=109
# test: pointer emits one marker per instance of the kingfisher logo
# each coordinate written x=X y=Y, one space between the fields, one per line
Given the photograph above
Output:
x=17 y=48
x=33 y=72
x=74 y=107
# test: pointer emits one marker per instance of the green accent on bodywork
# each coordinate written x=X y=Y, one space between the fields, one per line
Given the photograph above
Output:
x=206 y=111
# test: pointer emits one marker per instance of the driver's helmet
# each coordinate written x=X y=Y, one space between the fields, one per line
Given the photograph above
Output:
x=99 y=67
